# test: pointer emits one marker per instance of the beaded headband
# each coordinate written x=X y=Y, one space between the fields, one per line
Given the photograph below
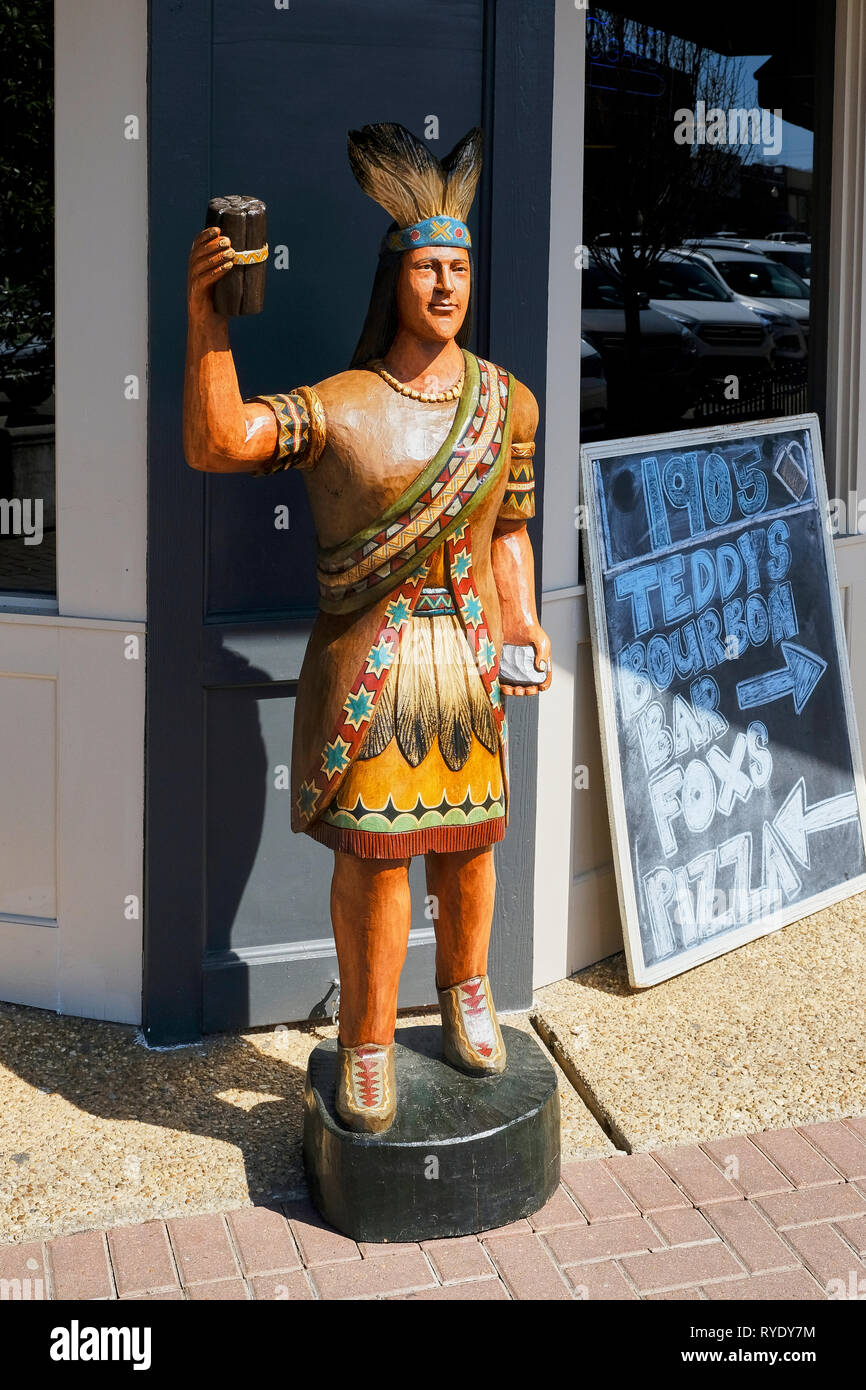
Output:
x=433 y=231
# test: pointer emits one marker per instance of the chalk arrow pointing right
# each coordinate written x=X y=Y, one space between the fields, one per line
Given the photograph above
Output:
x=798 y=677
x=795 y=820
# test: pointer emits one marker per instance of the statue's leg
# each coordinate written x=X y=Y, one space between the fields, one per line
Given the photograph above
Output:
x=370 y=912
x=464 y=886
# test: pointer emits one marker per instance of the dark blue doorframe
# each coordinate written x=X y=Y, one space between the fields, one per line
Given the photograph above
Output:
x=235 y=908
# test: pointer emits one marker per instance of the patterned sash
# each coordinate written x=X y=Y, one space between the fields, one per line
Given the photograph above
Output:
x=375 y=561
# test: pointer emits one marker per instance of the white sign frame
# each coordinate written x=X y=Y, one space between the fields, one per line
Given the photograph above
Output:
x=641 y=974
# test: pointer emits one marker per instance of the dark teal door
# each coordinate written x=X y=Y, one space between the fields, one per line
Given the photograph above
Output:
x=247 y=97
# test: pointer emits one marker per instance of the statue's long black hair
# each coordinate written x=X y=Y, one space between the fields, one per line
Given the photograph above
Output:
x=381 y=323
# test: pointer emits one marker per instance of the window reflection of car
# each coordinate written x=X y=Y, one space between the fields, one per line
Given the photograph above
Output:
x=696 y=277
x=731 y=337
x=27 y=372
x=593 y=392
x=796 y=254
x=667 y=351
x=760 y=283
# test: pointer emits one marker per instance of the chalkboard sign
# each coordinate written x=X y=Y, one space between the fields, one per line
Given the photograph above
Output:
x=731 y=754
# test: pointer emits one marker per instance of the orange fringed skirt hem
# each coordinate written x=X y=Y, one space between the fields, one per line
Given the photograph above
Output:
x=437 y=839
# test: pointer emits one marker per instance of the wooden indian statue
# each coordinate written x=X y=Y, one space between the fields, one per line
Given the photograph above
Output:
x=418 y=466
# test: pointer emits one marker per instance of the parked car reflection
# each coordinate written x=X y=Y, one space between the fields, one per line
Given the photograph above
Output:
x=26 y=372
x=731 y=337
x=796 y=255
x=593 y=392
x=694 y=276
x=653 y=377
x=760 y=282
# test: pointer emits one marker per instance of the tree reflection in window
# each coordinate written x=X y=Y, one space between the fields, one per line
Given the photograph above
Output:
x=27 y=511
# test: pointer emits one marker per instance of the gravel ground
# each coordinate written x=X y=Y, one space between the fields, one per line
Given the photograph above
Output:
x=98 y=1130
x=768 y=1036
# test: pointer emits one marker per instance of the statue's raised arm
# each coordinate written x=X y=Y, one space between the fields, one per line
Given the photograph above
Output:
x=221 y=433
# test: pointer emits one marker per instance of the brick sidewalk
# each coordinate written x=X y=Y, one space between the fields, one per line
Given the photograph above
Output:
x=780 y=1214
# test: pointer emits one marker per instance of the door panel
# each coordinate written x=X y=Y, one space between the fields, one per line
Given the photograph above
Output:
x=237 y=907
x=268 y=936
x=285 y=92
x=267 y=939
x=254 y=563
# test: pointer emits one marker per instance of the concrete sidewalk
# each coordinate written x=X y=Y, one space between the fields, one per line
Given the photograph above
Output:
x=770 y=1035
x=96 y=1129
x=776 y=1215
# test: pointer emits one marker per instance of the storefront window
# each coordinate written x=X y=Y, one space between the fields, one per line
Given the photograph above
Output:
x=27 y=512
x=701 y=208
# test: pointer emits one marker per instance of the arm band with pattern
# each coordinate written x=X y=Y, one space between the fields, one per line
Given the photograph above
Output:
x=301 y=430
x=518 y=504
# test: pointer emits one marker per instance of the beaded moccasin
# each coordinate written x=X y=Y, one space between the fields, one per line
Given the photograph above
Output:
x=366 y=1087
x=471 y=1038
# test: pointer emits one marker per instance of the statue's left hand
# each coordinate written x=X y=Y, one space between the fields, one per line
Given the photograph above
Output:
x=534 y=636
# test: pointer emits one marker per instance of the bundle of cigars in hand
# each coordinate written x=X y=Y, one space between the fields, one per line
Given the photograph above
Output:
x=244 y=220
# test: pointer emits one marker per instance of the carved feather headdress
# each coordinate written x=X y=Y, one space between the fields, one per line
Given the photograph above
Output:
x=428 y=198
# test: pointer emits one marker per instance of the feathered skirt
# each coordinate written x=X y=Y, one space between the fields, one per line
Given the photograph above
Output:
x=429 y=774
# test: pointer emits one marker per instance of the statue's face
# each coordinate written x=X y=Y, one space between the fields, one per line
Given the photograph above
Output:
x=433 y=291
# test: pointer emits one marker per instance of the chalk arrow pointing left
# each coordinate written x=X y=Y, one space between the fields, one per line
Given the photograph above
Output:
x=795 y=820
x=798 y=677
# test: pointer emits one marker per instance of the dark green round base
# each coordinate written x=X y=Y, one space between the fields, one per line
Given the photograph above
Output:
x=463 y=1154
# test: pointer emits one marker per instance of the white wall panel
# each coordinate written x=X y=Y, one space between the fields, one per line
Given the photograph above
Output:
x=845 y=444
x=28 y=964
x=28 y=773
x=559 y=569
x=851 y=570
x=72 y=686
x=73 y=764
x=101 y=262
